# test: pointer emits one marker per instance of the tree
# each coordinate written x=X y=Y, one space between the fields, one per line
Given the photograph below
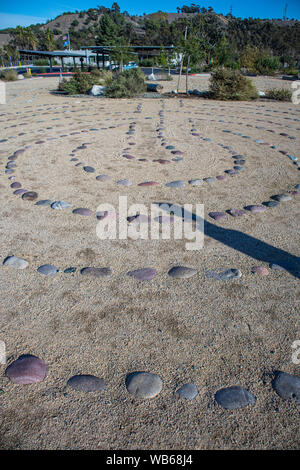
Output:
x=122 y=54
x=192 y=49
x=49 y=42
x=108 y=31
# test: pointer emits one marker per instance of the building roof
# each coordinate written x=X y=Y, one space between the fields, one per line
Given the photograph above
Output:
x=53 y=53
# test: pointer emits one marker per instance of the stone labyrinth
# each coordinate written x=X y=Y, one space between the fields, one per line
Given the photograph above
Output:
x=143 y=144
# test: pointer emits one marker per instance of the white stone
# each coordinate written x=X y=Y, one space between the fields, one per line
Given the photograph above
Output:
x=97 y=90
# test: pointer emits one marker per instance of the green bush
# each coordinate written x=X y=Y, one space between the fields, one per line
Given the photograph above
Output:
x=147 y=63
x=9 y=75
x=280 y=94
x=290 y=72
x=80 y=83
x=41 y=62
x=101 y=76
x=126 y=84
x=227 y=84
x=267 y=65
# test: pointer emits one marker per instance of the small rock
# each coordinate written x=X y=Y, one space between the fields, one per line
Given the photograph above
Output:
x=96 y=272
x=188 y=391
x=30 y=196
x=217 y=215
x=86 y=383
x=60 y=205
x=82 y=211
x=223 y=275
x=195 y=182
x=15 y=262
x=260 y=270
x=234 y=397
x=103 y=178
x=237 y=212
x=143 y=384
x=27 y=369
x=255 y=208
x=143 y=274
x=209 y=180
x=176 y=184
x=282 y=197
x=47 y=269
x=44 y=202
x=124 y=182
x=182 y=272
x=287 y=386
x=89 y=169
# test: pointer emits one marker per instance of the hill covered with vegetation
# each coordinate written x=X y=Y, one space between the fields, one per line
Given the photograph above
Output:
x=225 y=40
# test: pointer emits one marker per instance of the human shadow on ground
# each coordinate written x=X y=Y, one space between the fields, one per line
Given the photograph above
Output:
x=241 y=242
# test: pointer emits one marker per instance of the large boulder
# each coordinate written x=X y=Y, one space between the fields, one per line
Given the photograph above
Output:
x=97 y=90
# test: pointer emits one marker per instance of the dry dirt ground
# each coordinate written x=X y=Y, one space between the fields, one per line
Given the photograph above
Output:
x=212 y=333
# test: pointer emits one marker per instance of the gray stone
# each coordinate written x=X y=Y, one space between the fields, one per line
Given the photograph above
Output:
x=103 y=178
x=188 y=391
x=30 y=196
x=60 y=205
x=209 y=180
x=287 y=386
x=237 y=212
x=282 y=197
x=44 y=202
x=143 y=274
x=195 y=182
x=96 y=272
x=86 y=383
x=176 y=184
x=223 y=275
x=47 y=269
x=271 y=204
x=89 y=169
x=256 y=208
x=182 y=272
x=235 y=397
x=124 y=182
x=15 y=262
x=143 y=384
x=82 y=211
x=217 y=215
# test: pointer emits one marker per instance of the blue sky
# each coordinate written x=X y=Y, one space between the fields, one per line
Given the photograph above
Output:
x=33 y=11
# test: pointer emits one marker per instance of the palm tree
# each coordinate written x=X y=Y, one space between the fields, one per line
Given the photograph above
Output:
x=49 y=40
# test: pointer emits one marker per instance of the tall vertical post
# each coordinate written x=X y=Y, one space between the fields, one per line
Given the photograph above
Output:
x=50 y=63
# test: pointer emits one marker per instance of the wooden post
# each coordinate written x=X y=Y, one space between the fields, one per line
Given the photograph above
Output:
x=97 y=59
x=74 y=63
x=62 y=63
x=50 y=63
x=103 y=60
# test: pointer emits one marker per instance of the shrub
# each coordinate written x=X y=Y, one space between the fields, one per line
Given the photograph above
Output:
x=80 y=83
x=126 y=84
x=28 y=75
x=41 y=62
x=280 y=94
x=103 y=76
x=226 y=84
x=9 y=75
x=147 y=63
x=267 y=65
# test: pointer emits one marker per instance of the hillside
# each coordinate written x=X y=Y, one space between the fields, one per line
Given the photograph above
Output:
x=106 y=25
